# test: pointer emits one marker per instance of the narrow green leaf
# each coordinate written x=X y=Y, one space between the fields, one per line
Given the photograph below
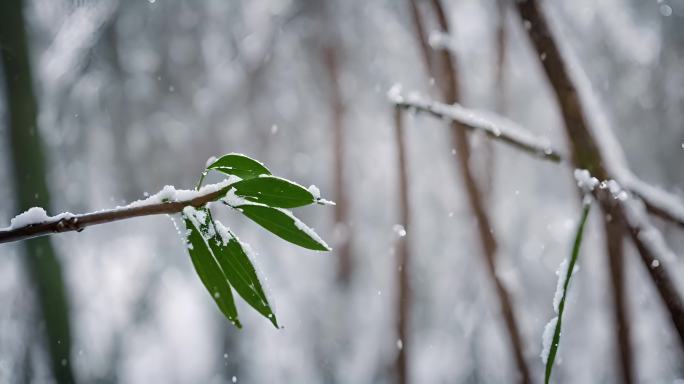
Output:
x=233 y=257
x=209 y=271
x=282 y=223
x=239 y=165
x=274 y=192
x=561 y=306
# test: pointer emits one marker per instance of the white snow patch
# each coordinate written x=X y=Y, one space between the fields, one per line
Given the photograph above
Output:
x=547 y=339
x=394 y=94
x=562 y=274
x=35 y=215
x=170 y=194
x=314 y=191
x=399 y=230
x=210 y=161
x=585 y=181
x=304 y=228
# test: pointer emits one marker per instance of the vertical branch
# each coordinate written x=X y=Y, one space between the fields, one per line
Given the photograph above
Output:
x=500 y=67
x=402 y=254
x=342 y=229
x=586 y=154
x=31 y=188
x=448 y=80
x=615 y=247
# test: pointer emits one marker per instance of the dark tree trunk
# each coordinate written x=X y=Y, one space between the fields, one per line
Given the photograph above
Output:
x=31 y=187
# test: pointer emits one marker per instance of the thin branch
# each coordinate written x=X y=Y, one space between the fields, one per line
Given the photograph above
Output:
x=614 y=233
x=403 y=283
x=447 y=76
x=494 y=126
x=68 y=222
x=658 y=202
x=593 y=146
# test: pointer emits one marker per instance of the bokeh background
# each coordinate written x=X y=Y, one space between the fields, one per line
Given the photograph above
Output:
x=135 y=94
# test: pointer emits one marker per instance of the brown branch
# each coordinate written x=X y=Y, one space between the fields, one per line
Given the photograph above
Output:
x=68 y=223
x=658 y=202
x=447 y=78
x=494 y=126
x=586 y=152
x=403 y=285
x=329 y=53
x=616 y=266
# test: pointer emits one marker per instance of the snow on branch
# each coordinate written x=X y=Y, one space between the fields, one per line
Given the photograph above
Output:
x=35 y=221
x=657 y=201
x=493 y=125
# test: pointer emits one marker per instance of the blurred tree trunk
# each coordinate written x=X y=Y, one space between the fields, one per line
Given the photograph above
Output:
x=31 y=187
x=402 y=253
x=330 y=53
x=616 y=267
x=445 y=72
x=587 y=154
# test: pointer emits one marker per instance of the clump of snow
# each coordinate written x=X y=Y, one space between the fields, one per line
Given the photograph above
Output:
x=562 y=274
x=394 y=94
x=191 y=214
x=210 y=161
x=399 y=230
x=314 y=191
x=234 y=200
x=547 y=338
x=223 y=232
x=170 y=194
x=585 y=181
x=439 y=40
x=35 y=215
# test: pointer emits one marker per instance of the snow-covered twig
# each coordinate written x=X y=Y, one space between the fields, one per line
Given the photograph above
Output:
x=657 y=201
x=35 y=222
x=647 y=238
x=493 y=125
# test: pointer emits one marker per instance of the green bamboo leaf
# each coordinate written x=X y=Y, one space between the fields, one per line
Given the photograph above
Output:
x=283 y=224
x=234 y=258
x=274 y=192
x=556 y=325
x=239 y=165
x=197 y=224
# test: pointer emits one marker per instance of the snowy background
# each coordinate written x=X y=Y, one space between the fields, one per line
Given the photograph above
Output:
x=138 y=94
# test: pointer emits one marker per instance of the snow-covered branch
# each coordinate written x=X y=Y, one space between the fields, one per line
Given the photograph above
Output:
x=657 y=201
x=493 y=125
x=35 y=222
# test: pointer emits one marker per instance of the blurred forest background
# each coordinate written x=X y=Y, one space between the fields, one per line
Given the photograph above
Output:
x=132 y=95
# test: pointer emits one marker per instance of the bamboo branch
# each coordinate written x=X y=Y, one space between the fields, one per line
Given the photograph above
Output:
x=494 y=126
x=658 y=202
x=67 y=222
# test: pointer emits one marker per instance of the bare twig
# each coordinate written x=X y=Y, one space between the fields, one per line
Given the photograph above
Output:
x=69 y=222
x=616 y=267
x=404 y=284
x=330 y=57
